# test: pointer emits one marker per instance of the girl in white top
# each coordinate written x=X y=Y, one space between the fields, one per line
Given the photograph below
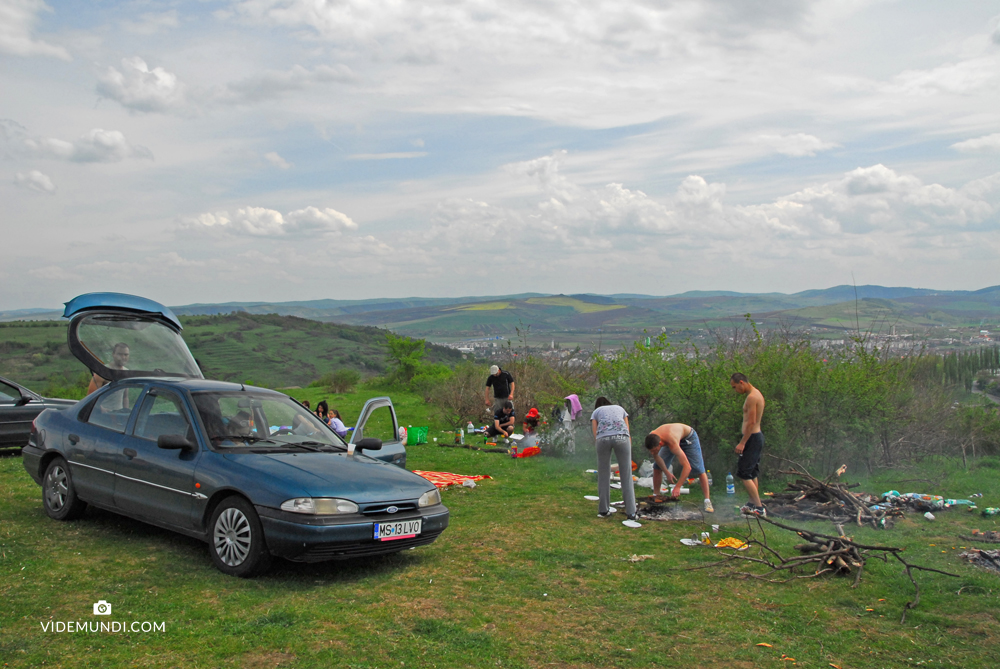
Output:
x=609 y=423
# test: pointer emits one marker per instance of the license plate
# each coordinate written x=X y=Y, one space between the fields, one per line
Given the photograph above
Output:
x=403 y=529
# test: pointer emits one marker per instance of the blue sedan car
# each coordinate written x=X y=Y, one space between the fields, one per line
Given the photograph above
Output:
x=248 y=470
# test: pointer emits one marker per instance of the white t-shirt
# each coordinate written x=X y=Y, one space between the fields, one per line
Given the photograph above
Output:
x=610 y=420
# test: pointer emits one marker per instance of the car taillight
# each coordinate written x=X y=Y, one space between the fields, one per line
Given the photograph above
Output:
x=33 y=437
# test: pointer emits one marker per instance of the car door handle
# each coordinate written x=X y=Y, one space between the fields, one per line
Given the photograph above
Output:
x=73 y=439
x=129 y=453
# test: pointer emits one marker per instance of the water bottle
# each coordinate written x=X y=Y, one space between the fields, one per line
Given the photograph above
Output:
x=470 y=428
x=709 y=472
x=461 y=437
x=730 y=484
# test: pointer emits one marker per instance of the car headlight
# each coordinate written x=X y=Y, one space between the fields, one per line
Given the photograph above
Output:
x=319 y=506
x=430 y=498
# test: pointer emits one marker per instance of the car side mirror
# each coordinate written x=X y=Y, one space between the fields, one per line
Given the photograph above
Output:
x=174 y=442
x=22 y=400
x=368 y=443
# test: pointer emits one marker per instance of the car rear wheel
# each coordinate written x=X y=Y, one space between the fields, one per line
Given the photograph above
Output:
x=59 y=494
x=237 y=541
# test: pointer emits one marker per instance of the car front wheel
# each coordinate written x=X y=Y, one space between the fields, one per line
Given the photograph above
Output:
x=237 y=541
x=59 y=494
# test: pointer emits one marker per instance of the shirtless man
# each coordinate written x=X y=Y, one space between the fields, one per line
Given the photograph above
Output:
x=677 y=441
x=752 y=443
x=119 y=356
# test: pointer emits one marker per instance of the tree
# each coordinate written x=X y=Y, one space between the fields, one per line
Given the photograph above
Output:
x=405 y=354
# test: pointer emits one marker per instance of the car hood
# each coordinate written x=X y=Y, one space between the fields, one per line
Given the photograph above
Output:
x=355 y=477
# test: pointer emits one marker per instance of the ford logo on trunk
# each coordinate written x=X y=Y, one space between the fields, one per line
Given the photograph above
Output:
x=392 y=509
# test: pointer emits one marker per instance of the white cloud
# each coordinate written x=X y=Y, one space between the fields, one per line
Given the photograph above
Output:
x=271 y=84
x=35 y=180
x=263 y=222
x=97 y=146
x=276 y=160
x=387 y=156
x=984 y=143
x=962 y=77
x=797 y=145
x=17 y=23
x=139 y=88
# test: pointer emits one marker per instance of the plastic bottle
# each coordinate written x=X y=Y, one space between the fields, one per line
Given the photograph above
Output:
x=991 y=511
x=709 y=472
x=470 y=428
x=461 y=437
x=730 y=484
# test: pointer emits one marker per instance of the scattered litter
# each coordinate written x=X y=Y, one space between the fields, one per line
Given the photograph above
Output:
x=732 y=542
x=616 y=486
x=590 y=471
x=637 y=558
x=469 y=483
x=445 y=479
x=715 y=528
x=985 y=559
x=591 y=498
x=645 y=469
x=929 y=516
x=687 y=541
x=765 y=645
x=631 y=523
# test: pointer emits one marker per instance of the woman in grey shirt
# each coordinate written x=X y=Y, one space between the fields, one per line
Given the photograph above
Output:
x=609 y=423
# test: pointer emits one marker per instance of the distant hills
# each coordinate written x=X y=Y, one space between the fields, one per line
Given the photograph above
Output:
x=577 y=317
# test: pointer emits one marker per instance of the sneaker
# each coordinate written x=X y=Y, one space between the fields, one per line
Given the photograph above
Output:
x=761 y=511
x=708 y=506
x=611 y=510
x=747 y=509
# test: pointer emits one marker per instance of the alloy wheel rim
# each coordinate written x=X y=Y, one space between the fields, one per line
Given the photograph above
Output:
x=232 y=537
x=57 y=487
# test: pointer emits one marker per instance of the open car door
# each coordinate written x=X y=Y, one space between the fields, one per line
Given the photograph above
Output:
x=378 y=420
x=119 y=336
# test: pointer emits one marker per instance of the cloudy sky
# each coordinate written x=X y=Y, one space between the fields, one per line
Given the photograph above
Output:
x=205 y=151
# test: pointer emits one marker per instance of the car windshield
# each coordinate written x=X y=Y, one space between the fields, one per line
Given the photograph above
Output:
x=240 y=419
x=133 y=343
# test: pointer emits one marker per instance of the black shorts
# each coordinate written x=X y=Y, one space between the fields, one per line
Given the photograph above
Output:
x=748 y=467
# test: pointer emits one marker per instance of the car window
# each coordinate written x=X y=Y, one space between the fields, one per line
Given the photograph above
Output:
x=380 y=425
x=112 y=409
x=8 y=393
x=235 y=419
x=162 y=413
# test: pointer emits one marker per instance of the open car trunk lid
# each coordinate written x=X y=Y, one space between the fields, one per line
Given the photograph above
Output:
x=104 y=322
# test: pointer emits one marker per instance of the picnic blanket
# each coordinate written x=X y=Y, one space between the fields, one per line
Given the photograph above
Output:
x=445 y=479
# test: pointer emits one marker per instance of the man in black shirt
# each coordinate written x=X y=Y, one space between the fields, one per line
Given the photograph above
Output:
x=503 y=421
x=503 y=388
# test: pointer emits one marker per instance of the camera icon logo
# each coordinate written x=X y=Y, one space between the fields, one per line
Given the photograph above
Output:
x=102 y=608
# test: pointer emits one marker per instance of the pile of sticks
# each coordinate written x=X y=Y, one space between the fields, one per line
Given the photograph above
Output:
x=820 y=554
x=808 y=498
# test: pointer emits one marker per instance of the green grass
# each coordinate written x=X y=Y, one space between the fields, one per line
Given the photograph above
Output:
x=526 y=576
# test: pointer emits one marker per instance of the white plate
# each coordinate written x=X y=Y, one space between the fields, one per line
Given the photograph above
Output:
x=616 y=486
x=591 y=498
x=690 y=542
x=631 y=523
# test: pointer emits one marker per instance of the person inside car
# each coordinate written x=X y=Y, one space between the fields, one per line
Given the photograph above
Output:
x=119 y=357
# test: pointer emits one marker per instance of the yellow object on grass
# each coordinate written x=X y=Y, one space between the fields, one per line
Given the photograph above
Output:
x=731 y=542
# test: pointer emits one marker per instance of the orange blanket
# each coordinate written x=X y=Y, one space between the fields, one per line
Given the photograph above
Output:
x=529 y=451
x=445 y=479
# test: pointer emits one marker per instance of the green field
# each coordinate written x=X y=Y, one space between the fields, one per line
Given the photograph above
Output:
x=265 y=350
x=526 y=576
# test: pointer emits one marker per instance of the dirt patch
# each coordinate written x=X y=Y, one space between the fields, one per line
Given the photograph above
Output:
x=261 y=660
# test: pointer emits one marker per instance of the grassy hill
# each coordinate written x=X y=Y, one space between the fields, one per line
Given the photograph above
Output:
x=268 y=350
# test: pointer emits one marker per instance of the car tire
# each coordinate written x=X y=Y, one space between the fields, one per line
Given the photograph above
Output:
x=236 y=539
x=59 y=493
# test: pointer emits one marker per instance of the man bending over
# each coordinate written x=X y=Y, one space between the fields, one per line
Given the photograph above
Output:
x=677 y=441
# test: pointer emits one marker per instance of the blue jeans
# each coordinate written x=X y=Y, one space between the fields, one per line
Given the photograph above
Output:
x=691 y=446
